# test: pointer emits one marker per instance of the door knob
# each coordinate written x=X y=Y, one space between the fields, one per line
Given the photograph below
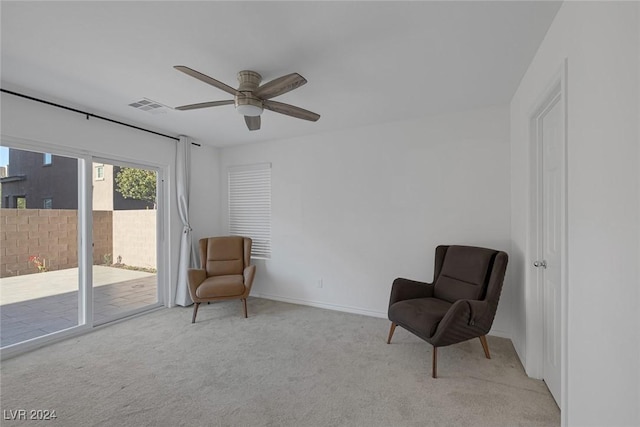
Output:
x=542 y=264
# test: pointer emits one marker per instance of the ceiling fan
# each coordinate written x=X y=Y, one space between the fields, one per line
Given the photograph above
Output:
x=250 y=98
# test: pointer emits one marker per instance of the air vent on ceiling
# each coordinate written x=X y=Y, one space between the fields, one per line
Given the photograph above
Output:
x=153 y=107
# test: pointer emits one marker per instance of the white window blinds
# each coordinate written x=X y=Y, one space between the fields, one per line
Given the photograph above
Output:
x=250 y=206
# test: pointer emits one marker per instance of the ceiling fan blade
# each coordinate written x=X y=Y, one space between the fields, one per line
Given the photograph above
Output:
x=291 y=110
x=204 y=105
x=280 y=86
x=207 y=79
x=253 y=122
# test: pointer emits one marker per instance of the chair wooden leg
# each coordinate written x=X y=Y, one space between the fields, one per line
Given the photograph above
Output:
x=434 y=366
x=391 y=331
x=195 y=311
x=244 y=307
x=485 y=346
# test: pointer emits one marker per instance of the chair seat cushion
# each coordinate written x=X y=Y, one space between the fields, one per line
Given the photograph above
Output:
x=420 y=315
x=221 y=286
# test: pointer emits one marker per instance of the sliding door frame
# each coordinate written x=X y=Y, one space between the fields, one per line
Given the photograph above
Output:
x=85 y=239
x=160 y=208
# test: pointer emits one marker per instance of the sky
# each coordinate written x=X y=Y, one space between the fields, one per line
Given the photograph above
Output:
x=4 y=156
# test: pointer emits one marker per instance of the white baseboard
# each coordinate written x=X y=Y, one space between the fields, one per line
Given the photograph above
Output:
x=348 y=309
x=334 y=307
x=499 y=333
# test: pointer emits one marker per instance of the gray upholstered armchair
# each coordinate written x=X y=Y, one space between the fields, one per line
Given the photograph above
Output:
x=226 y=271
x=459 y=305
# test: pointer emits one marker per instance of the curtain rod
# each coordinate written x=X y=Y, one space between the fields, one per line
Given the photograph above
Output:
x=87 y=114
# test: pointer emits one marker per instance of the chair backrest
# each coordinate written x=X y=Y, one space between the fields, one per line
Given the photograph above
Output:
x=221 y=256
x=464 y=272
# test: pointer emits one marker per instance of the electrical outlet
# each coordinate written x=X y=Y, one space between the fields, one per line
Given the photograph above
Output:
x=319 y=283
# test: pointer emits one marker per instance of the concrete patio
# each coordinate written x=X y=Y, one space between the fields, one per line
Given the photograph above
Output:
x=38 y=304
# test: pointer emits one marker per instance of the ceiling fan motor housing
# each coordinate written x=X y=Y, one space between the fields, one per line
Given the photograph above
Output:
x=245 y=103
x=249 y=80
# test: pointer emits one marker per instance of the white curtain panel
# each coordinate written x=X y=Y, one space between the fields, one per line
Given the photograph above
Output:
x=185 y=261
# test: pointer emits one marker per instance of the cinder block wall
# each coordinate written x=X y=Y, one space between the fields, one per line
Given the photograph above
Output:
x=134 y=237
x=102 y=237
x=51 y=234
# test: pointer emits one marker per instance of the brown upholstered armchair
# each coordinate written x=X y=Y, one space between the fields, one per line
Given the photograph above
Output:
x=226 y=271
x=459 y=305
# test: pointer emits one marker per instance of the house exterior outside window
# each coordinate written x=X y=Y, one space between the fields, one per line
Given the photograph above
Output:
x=29 y=183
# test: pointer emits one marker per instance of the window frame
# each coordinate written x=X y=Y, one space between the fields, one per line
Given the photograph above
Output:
x=98 y=176
x=20 y=200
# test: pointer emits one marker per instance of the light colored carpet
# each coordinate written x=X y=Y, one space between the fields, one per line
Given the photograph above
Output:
x=286 y=365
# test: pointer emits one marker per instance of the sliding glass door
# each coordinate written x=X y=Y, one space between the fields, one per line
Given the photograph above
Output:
x=39 y=278
x=79 y=243
x=125 y=214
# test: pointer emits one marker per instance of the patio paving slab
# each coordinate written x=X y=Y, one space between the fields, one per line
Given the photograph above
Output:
x=45 y=312
x=30 y=286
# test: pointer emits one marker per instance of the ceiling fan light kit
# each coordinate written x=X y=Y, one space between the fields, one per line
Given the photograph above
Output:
x=248 y=106
x=250 y=99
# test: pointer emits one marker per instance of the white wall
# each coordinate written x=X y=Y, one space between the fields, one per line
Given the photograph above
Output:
x=638 y=304
x=602 y=45
x=204 y=198
x=44 y=124
x=360 y=207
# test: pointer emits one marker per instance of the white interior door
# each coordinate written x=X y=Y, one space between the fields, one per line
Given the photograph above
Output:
x=552 y=133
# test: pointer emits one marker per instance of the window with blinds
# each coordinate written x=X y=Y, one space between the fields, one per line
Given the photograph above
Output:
x=250 y=206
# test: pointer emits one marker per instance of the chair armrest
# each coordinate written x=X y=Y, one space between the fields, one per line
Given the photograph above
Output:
x=464 y=320
x=195 y=277
x=249 y=273
x=404 y=289
x=478 y=310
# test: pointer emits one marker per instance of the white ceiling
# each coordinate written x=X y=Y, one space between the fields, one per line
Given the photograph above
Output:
x=365 y=62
